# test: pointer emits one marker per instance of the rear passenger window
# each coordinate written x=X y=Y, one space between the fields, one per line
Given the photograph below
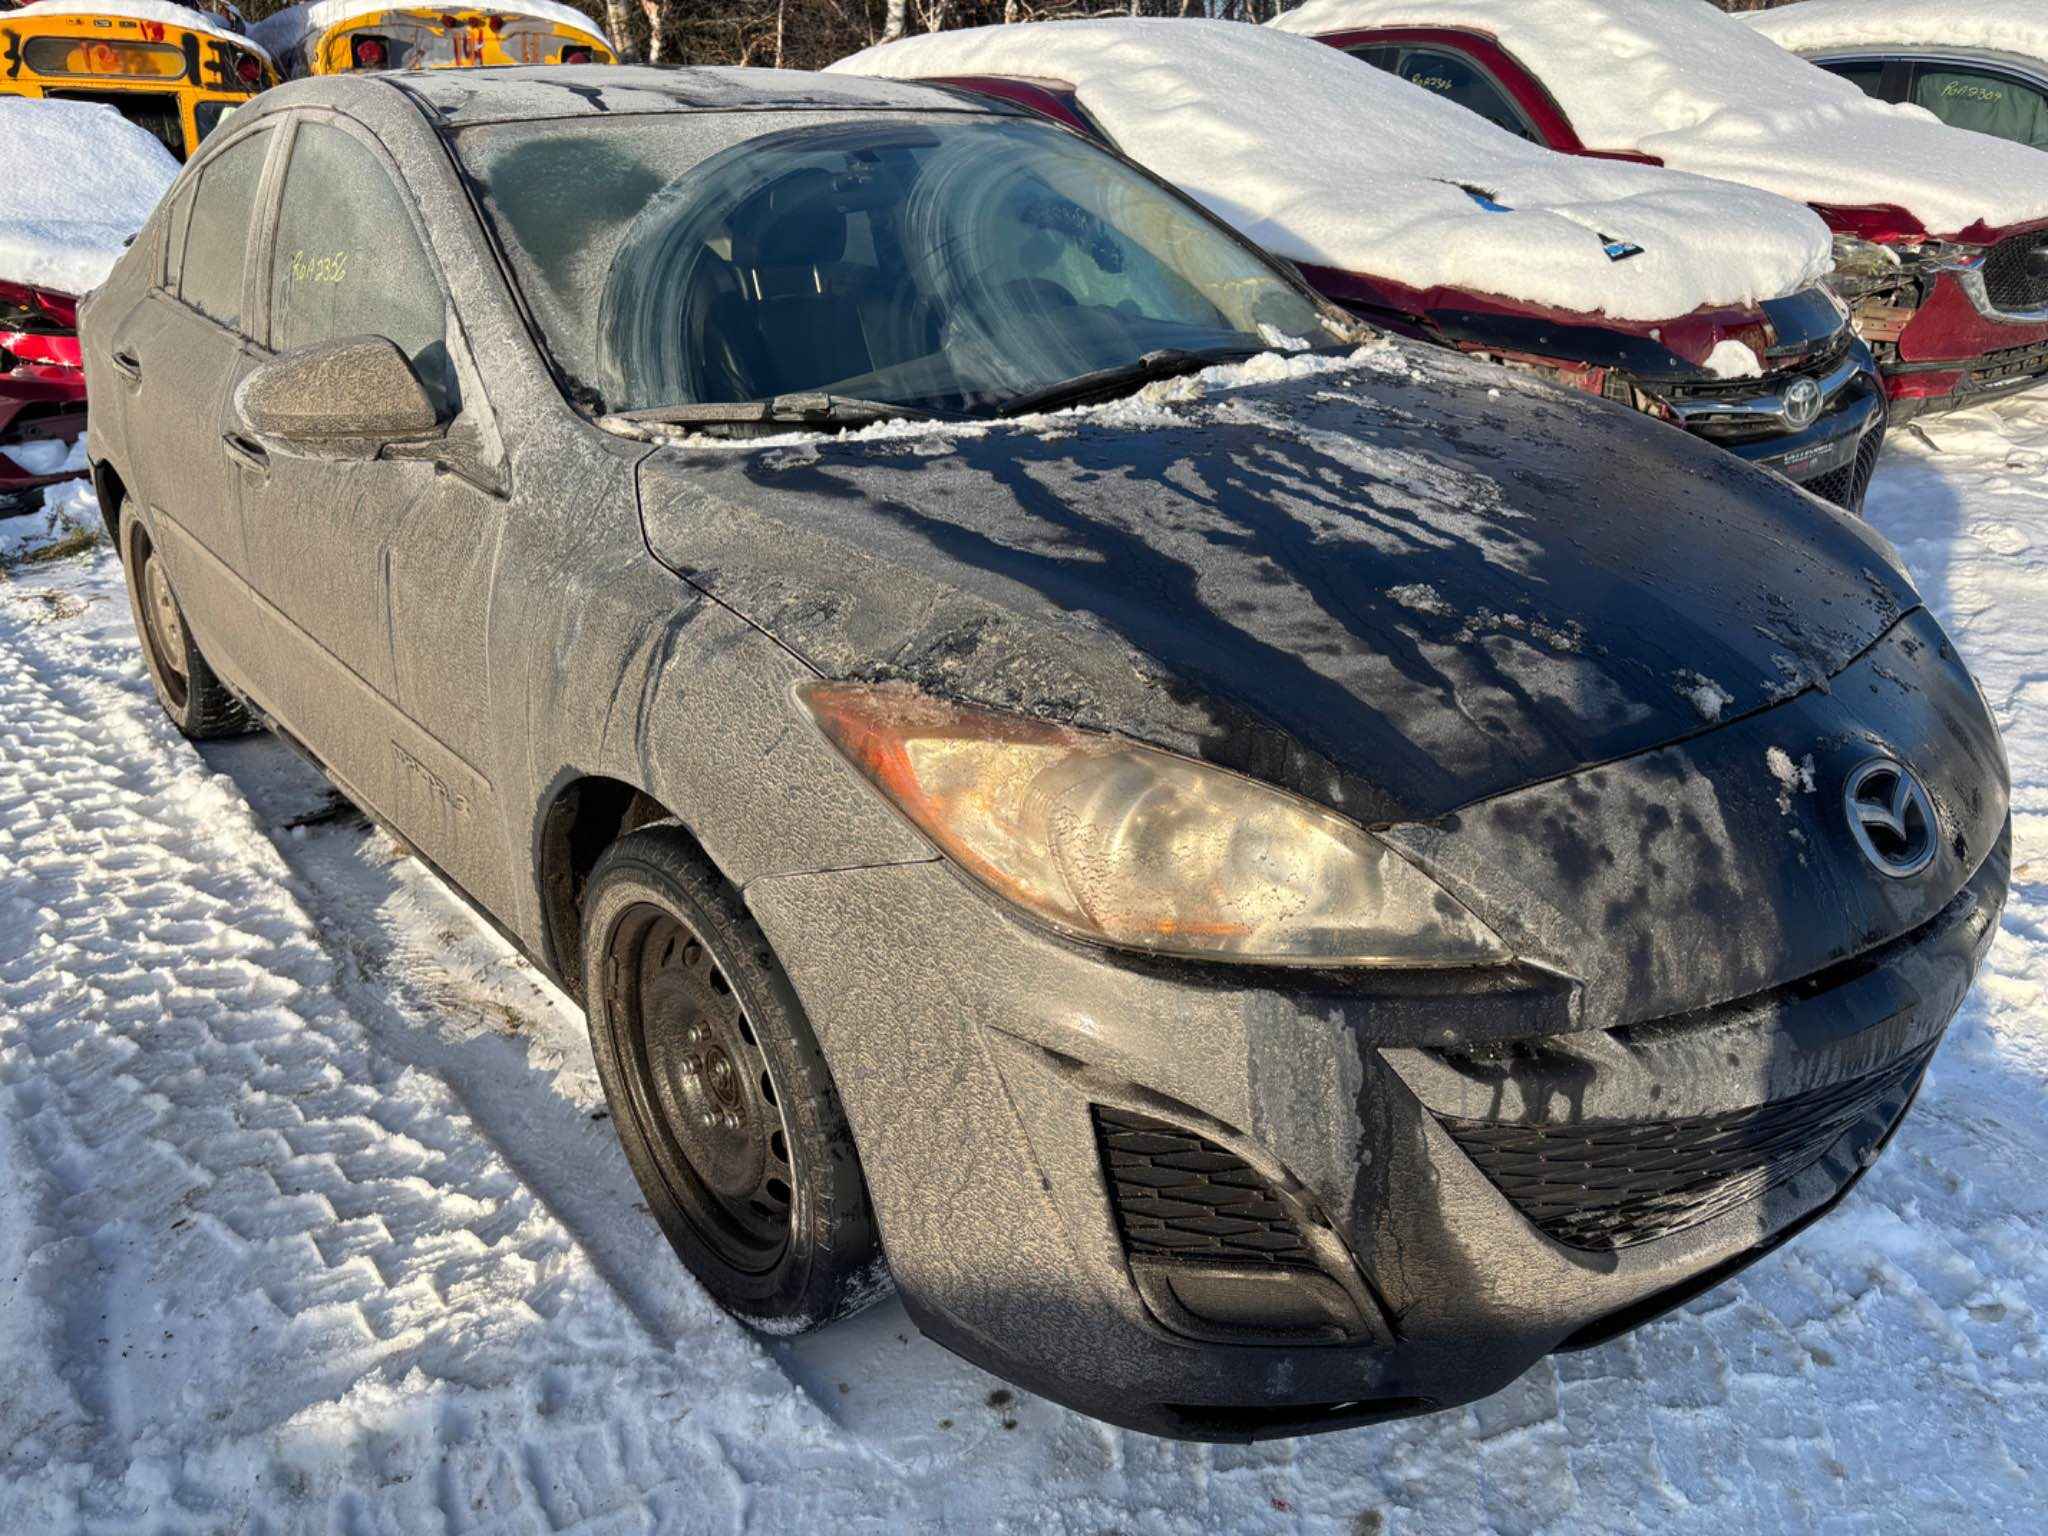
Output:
x=209 y=277
x=1378 y=57
x=347 y=262
x=1867 y=77
x=1454 y=75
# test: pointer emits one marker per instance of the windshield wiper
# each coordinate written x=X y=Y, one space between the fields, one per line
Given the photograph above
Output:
x=1166 y=363
x=800 y=410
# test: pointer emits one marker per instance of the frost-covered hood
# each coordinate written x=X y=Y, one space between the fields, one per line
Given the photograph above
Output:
x=1397 y=587
x=2003 y=26
x=96 y=178
x=1701 y=92
x=1315 y=157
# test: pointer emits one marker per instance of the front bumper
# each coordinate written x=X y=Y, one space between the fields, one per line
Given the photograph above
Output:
x=1960 y=349
x=1833 y=456
x=978 y=1095
x=1216 y=1202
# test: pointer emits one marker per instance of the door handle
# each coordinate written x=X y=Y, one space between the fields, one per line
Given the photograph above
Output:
x=246 y=453
x=129 y=366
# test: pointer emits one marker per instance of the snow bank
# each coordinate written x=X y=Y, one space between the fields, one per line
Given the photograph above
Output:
x=2007 y=26
x=1702 y=92
x=1323 y=160
x=96 y=178
x=147 y=10
x=285 y=31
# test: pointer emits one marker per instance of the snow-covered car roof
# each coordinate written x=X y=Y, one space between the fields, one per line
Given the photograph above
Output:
x=283 y=32
x=146 y=10
x=97 y=176
x=2001 y=26
x=1702 y=92
x=1325 y=161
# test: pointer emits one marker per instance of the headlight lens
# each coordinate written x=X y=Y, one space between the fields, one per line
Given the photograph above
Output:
x=1139 y=848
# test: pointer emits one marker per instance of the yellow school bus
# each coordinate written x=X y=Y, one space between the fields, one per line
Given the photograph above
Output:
x=330 y=37
x=174 y=70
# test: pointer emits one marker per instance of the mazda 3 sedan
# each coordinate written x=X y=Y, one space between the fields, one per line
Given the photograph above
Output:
x=1267 y=878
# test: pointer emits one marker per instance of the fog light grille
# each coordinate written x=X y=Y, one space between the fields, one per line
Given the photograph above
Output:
x=1181 y=1197
x=1613 y=1183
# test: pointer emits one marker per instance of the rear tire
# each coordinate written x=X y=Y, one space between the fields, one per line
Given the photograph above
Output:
x=720 y=1093
x=191 y=693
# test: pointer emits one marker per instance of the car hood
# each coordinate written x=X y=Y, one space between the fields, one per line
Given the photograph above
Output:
x=1397 y=584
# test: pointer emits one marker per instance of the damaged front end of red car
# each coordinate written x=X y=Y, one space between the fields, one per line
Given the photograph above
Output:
x=42 y=393
x=1953 y=320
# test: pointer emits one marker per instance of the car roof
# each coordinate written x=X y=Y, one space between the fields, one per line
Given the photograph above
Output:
x=461 y=97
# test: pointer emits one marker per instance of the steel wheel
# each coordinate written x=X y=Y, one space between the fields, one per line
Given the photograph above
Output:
x=192 y=694
x=702 y=1090
x=720 y=1092
x=163 y=628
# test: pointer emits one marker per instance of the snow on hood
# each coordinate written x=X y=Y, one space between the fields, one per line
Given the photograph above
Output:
x=97 y=176
x=147 y=10
x=284 y=31
x=1322 y=160
x=2005 y=26
x=1702 y=92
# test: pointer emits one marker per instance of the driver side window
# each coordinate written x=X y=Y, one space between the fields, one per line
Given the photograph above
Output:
x=348 y=263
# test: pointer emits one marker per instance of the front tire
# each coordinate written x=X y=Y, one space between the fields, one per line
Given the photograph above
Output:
x=191 y=693
x=720 y=1092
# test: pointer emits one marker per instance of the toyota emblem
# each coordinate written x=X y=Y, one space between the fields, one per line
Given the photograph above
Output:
x=1802 y=403
x=1891 y=818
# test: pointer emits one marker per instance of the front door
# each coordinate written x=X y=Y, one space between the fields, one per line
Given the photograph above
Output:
x=380 y=569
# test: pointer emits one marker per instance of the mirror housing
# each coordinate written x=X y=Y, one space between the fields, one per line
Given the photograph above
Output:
x=346 y=398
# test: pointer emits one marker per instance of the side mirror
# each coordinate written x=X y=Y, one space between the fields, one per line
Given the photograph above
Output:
x=336 y=399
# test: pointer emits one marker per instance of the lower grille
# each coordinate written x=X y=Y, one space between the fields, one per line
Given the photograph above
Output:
x=1846 y=486
x=2016 y=272
x=1614 y=1183
x=1179 y=1196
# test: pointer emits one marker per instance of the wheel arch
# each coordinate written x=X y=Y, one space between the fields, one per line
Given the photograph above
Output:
x=584 y=814
x=112 y=493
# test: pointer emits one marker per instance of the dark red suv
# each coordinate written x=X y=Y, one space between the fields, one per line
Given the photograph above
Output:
x=1954 y=314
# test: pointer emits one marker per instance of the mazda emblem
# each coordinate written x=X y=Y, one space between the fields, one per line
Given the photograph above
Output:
x=1891 y=818
x=1802 y=403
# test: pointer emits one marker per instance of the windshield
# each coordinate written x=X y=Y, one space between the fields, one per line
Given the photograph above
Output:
x=942 y=263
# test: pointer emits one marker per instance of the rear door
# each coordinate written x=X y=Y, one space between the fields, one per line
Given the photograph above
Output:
x=178 y=354
x=378 y=571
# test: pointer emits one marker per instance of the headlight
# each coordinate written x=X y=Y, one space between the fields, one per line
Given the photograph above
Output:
x=1135 y=847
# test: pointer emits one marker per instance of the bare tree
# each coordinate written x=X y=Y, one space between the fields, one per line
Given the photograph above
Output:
x=898 y=20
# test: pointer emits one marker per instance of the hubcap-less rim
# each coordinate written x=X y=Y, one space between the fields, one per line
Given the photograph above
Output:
x=703 y=1098
x=165 y=626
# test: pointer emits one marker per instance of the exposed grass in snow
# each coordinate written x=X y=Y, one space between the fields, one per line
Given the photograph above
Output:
x=307 y=1222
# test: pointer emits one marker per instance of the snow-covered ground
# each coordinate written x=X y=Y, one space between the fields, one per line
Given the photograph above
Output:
x=310 y=1221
